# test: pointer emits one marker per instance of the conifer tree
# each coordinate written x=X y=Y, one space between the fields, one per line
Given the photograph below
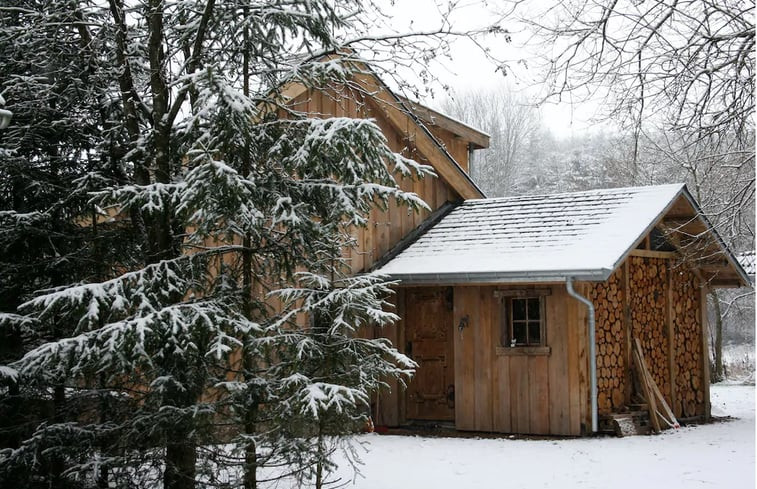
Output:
x=233 y=306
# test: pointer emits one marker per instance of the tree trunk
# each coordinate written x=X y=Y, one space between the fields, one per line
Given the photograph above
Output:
x=57 y=464
x=181 y=458
x=321 y=456
x=717 y=353
x=250 y=453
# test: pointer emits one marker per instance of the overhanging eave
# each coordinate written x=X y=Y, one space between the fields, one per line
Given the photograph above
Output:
x=409 y=279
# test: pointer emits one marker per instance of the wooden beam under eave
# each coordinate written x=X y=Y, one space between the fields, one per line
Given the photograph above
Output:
x=292 y=90
x=690 y=227
x=443 y=164
x=709 y=267
x=723 y=279
x=653 y=253
x=479 y=139
x=725 y=284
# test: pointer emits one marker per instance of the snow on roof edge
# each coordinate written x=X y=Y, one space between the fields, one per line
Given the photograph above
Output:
x=682 y=190
x=593 y=191
x=453 y=119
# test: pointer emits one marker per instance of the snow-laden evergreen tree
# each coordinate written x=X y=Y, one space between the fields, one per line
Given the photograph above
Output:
x=50 y=157
x=232 y=317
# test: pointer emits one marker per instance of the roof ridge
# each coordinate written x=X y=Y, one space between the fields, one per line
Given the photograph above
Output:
x=597 y=191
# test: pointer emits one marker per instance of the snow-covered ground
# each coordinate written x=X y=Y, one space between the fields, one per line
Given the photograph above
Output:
x=718 y=455
x=739 y=361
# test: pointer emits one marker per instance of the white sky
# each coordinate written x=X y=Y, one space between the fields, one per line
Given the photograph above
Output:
x=471 y=70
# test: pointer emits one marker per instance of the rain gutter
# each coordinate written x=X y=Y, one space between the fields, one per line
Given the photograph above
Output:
x=462 y=278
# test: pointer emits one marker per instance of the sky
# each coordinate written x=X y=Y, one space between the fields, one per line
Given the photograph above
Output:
x=470 y=70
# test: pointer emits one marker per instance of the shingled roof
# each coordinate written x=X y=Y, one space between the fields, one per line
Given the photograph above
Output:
x=584 y=235
x=746 y=260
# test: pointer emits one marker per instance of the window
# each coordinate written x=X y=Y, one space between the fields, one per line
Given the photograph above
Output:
x=525 y=321
x=522 y=321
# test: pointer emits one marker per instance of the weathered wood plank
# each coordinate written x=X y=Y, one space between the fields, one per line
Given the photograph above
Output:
x=388 y=406
x=500 y=375
x=401 y=344
x=480 y=323
x=502 y=401
x=538 y=379
x=574 y=384
x=427 y=194
x=464 y=362
x=369 y=254
x=666 y=414
x=578 y=371
x=583 y=359
x=559 y=361
x=646 y=388
x=520 y=409
x=442 y=193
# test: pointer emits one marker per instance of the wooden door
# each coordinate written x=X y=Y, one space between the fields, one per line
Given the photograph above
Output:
x=428 y=316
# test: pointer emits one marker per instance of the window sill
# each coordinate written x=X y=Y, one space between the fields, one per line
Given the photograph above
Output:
x=523 y=351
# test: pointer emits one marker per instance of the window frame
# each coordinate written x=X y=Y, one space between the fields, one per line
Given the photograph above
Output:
x=506 y=298
x=507 y=336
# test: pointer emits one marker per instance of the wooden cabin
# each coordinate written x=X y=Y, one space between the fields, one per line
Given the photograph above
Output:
x=503 y=346
x=484 y=298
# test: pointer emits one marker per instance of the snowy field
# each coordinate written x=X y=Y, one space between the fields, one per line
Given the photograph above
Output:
x=719 y=455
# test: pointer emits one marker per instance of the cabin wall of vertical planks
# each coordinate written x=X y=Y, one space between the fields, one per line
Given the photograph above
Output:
x=509 y=390
x=505 y=390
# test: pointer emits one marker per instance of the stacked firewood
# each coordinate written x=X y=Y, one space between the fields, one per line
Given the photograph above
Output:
x=689 y=379
x=649 y=323
x=608 y=302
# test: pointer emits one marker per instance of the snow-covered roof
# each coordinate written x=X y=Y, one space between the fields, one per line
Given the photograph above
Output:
x=746 y=260
x=584 y=235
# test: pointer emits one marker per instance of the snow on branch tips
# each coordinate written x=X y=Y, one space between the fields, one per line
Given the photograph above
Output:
x=203 y=328
x=349 y=303
x=217 y=200
x=137 y=293
x=151 y=199
x=321 y=397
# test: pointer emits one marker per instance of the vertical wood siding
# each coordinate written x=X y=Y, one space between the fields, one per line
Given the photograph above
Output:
x=538 y=394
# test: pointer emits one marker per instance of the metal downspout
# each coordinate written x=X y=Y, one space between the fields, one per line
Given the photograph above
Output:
x=592 y=352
